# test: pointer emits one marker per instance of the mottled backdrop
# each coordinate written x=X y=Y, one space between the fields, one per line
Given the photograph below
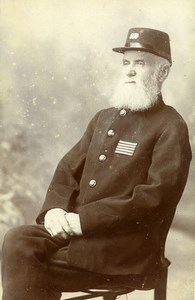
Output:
x=57 y=69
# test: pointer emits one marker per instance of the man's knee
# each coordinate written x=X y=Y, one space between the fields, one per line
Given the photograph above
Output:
x=12 y=236
x=17 y=239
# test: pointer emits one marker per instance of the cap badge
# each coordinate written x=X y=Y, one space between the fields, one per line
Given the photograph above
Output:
x=134 y=36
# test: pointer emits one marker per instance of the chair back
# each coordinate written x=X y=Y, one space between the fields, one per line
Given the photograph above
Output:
x=164 y=230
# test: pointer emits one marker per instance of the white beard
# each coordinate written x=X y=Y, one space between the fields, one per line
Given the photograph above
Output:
x=137 y=96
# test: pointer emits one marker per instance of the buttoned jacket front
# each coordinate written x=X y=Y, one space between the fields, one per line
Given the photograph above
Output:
x=123 y=177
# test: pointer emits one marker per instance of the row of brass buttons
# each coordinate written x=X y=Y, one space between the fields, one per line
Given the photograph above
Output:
x=103 y=157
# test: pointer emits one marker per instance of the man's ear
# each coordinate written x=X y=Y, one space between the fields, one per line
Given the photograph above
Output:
x=164 y=72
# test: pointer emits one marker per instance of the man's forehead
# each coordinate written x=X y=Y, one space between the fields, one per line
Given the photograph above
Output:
x=136 y=54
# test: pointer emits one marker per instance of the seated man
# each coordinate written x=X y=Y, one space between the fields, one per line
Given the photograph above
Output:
x=110 y=193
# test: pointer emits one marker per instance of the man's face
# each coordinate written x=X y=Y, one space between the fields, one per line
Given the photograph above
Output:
x=139 y=85
x=138 y=67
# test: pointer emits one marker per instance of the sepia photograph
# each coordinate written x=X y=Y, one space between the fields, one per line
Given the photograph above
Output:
x=97 y=120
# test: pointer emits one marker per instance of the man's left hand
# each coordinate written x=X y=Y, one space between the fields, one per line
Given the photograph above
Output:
x=74 y=223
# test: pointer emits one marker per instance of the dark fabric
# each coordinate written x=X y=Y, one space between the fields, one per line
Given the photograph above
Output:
x=124 y=217
x=121 y=215
x=24 y=264
x=35 y=267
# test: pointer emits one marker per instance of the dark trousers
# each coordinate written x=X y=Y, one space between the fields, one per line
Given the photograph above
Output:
x=34 y=266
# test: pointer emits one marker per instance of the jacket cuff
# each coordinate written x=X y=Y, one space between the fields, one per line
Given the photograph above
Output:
x=94 y=220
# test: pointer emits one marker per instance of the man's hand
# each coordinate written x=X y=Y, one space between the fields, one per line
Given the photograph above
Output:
x=74 y=223
x=56 y=224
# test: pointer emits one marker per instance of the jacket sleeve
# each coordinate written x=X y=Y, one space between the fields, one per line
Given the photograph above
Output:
x=65 y=183
x=166 y=180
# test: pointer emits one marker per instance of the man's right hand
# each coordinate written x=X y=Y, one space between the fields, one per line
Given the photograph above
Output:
x=56 y=224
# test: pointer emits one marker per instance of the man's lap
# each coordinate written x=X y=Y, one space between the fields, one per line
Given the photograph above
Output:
x=53 y=252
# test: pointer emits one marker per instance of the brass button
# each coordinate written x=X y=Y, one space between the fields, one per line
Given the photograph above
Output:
x=92 y=183
x=111 y=132
x=123 y=112
x=102 y=157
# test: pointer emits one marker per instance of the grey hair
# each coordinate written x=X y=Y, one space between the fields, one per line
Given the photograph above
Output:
x=160 y=63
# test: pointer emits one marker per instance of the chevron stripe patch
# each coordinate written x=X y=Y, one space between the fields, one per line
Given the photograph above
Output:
x=125 y=148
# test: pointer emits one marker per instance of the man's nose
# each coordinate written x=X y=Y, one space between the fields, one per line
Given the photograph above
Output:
x=131 y=73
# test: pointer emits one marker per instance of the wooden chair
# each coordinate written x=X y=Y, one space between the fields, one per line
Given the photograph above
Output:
x=157 y=282
x=111 y=293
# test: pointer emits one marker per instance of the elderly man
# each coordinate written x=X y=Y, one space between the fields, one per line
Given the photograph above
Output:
x=111 y=192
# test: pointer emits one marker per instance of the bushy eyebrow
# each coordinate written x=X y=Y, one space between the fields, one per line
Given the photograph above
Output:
x=137 y=60
x=140 y=60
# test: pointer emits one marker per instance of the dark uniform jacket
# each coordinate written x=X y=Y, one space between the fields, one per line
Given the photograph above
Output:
x=124 y=176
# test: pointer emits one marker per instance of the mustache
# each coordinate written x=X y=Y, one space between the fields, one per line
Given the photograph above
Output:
x=137 y=82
